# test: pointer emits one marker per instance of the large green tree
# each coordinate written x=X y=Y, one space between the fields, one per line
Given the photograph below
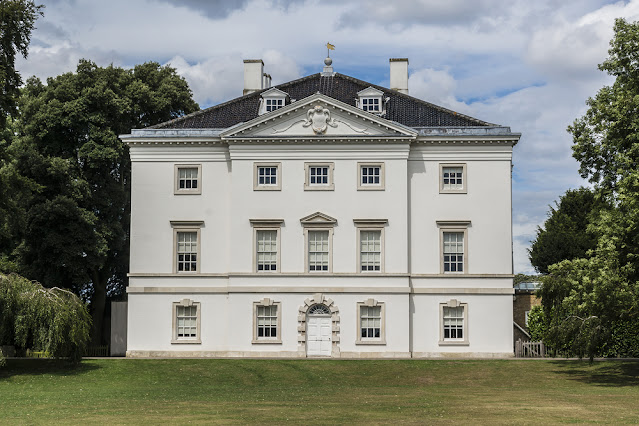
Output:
x=17 y=20
x=77 y=220
x=565 y=234
x=592 y=304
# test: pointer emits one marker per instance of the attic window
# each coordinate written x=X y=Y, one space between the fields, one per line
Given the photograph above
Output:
x=370 y=104
x=273 y=104
x=370 y=100
x=272 y=99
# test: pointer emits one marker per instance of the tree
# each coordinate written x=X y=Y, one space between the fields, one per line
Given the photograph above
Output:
x=565 y=234
x=587 y=301
x=76 y=224
x=52 y=320
x=17 y=20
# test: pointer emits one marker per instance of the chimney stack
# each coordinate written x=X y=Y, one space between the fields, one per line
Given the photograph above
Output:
x=399 y=74
x=267 y=81
x=253 y=75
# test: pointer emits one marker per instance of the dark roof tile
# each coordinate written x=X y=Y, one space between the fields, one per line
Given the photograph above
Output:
x=401 y=108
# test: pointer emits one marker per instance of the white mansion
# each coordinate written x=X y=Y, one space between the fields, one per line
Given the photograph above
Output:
x=323 y=217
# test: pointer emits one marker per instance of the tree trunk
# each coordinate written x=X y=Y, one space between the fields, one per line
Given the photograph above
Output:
x=98 y=303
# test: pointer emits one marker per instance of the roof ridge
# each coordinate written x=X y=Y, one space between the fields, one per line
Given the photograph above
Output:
x=437 y=107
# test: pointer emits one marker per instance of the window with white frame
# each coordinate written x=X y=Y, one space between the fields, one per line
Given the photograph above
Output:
x=273 y=104
x=266 y=243
x=318 y=236
x=186 y=322
x=371 y=104
x=318 y=251
x=370 y=250
x=267 y=176
x=187 y=249
x=453 y=246
x=370 y=244
x=266 y=321
x=452 y=178
x=453 y=251
x=188 y=178
x=319 y=176
x=266 y=250
x=370 y=176
x=453 y=323
x=370 y=322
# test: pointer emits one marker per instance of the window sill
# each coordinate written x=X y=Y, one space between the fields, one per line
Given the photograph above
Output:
x=370 y=342
x=266 y=188
x=265 y=341
x=453 y=343
x=370 y=188
x=184 y=192
x=186 y=342
x=320 y=188
x=453 y=191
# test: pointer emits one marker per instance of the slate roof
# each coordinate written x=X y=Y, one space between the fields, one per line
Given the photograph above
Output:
x=401 y=108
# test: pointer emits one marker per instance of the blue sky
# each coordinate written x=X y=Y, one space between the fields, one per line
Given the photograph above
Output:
x=529 y=65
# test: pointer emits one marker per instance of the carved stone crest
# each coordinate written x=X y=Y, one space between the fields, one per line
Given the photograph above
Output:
x=319 y=119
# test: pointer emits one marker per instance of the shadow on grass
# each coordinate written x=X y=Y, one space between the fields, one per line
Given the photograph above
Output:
x=602 y=373
x=39 y=366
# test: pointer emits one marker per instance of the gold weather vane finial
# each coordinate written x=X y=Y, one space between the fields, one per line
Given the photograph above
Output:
x=329 y=47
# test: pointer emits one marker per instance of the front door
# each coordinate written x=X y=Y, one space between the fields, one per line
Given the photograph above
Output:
x=318 y=335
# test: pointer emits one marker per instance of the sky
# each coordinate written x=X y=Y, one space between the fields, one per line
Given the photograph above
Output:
x=530 y=65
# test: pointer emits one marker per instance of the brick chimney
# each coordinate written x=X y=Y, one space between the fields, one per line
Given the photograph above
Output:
x=399 y=74
x=253 y=75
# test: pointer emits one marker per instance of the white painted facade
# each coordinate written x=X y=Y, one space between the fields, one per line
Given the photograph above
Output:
x=408 y=210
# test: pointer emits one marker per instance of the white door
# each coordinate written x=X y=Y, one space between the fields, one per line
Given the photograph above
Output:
x=318 y=336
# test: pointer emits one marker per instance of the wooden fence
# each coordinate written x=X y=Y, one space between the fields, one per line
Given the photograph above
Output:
x=530 y=349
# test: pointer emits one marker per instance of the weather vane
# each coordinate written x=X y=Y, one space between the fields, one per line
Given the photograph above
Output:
x=329 y=47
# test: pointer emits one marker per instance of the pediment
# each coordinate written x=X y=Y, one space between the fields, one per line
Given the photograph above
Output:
x=318 y=116
x=318 y=219
x=370 y=91
x=274 y=92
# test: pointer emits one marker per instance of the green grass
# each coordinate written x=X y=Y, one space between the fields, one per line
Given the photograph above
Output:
x=128 y=391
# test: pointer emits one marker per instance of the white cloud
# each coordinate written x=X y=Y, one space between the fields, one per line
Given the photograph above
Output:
x=212 y=81
x=568 y=48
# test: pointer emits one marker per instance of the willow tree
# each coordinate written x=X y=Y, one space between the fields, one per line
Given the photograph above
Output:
x=45 y=319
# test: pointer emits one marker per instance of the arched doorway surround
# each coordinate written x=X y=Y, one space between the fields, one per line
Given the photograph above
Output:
x=318 y=307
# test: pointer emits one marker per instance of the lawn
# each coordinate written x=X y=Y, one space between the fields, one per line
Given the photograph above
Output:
x=129 y=391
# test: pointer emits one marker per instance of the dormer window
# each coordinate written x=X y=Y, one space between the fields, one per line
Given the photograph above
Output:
x=370 y=99
x=272 y=99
